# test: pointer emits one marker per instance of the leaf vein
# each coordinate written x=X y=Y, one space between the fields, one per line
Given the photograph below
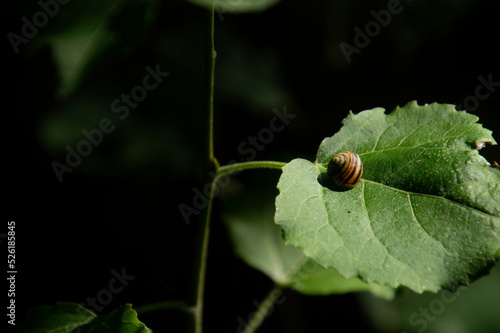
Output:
x=428 y=195
x=387 y=253
x=420 y=224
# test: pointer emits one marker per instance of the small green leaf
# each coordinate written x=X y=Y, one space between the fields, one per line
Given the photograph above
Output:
x=71 y=317
x=426 y=213
x=257 y=240
x=239 y=6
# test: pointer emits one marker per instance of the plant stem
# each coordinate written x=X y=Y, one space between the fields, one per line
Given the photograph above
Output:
x=263 y=310
x=227 y=169
x=202 y=248
x=204 y=231
x=202 y=245
x=211 y=83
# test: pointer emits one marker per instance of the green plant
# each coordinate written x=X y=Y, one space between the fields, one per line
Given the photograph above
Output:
x=425 y=215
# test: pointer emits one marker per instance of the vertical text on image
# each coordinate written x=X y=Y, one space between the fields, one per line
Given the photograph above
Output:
x=11 y=272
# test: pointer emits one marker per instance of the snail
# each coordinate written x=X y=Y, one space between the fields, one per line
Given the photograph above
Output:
x=345 y=169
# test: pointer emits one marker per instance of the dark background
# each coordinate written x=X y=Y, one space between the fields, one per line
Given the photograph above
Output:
x=119 y=208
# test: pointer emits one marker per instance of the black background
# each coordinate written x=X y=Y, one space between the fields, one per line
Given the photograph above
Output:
x=70 y=235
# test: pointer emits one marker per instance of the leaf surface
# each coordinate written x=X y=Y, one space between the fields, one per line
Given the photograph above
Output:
x=71 y=317
x=426 y=213
x=257 y=240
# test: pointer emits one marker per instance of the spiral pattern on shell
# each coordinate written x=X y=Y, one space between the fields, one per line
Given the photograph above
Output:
x=346 y=169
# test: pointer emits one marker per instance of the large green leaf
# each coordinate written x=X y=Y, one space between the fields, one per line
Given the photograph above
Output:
x=236 y=6
x=71 y=317
x=426 y=213
x=257 y=240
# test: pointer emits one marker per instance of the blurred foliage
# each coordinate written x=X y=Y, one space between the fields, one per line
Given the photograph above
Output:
x=472 y=309
x=148 y=140
x=89 y=33
x=236 y=6
x=91 y=43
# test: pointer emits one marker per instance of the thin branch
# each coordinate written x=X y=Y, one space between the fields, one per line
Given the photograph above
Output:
x=263 y=311
x=201 y=264
x=204 y=231
x=227 y=169
x=211 y=83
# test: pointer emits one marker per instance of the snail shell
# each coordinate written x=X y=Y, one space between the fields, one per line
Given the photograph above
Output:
x=346 y=169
